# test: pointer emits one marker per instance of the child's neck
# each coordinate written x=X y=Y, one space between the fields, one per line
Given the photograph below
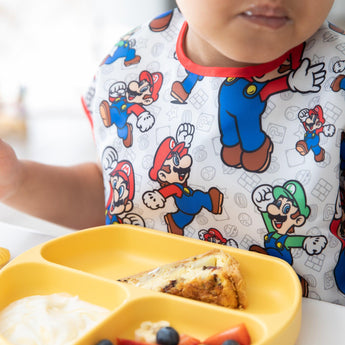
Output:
x=202 y=53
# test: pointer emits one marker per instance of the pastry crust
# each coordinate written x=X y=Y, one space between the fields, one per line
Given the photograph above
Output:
x=212 y=277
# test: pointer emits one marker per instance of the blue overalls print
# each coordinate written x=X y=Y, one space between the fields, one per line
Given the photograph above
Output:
x=312 y=140
x=339 y=271
x=189 y=82
x=123 y=51
x=111 y=218
x=276 y=247
x=189 y=205
x=119 y=116
x=240 y=109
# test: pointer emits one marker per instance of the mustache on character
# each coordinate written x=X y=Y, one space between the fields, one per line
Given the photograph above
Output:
x=181 y=171
x=279 y=218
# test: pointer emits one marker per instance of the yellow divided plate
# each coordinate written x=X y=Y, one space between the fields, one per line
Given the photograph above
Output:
x=88 y=263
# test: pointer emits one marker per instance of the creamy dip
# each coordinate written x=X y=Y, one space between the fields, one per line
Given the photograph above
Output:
x=57 y=319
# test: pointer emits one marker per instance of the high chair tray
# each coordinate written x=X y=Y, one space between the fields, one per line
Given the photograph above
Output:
x=89 y=262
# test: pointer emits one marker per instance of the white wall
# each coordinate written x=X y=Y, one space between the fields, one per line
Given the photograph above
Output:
x=337 y=14
x=52 y=47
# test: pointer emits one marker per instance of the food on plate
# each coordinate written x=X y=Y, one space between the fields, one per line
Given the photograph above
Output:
x=236 y=335
x=160 y=333
x=212 y=277
x=230 y=342
x=105 y=342
x=5 y=256
x=56 y=319
x=186 y=339
x=124 y=341
x=167 y=336
x=148 y=330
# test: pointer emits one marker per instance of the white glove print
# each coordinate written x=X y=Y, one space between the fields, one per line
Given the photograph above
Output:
x=154 y=200
x=307 y=78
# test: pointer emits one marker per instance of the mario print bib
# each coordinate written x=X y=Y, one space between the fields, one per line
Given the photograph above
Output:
x=245 y=157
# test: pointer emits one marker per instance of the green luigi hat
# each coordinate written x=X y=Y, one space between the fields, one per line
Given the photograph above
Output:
x=294 y=191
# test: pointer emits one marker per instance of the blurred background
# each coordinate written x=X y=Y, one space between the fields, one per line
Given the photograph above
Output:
x=49 y=51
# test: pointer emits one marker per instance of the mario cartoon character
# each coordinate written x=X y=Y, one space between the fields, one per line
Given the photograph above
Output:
x=171 y=169
x=161 y=22
x=121 y=182
x=314 y=124
x=339 y=82
x=338 y=230
x=124 y=49
x=214 y=236
x=242 y=101
x=181 y=90
x=283 y=208
x=131 y=99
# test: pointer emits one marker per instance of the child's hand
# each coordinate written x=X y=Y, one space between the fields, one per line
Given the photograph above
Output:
x=10 y=170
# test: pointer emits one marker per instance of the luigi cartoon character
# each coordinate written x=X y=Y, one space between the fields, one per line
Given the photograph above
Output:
x=125 y=49
x=284 y=208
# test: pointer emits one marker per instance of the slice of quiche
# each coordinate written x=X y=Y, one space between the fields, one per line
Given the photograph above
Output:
x=212 y=277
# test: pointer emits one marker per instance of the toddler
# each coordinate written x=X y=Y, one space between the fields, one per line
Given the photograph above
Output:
x=220 y=120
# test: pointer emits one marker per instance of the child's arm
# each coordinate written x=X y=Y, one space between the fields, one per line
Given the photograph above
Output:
x=68 y=196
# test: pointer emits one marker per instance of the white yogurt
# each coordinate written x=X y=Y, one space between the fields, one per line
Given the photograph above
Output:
x=57 y=319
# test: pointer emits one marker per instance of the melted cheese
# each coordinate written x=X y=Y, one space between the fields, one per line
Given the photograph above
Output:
x=184 y=271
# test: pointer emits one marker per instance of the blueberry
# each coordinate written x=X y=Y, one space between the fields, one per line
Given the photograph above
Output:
x=230 y=342
x=105 y=342
x=167 y=336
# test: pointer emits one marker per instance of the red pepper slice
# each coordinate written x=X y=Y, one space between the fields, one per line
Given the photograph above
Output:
x=122 y=341
x=188 y=340
x=238 y=333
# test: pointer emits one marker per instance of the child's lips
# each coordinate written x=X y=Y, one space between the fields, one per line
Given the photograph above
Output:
x=271 y=17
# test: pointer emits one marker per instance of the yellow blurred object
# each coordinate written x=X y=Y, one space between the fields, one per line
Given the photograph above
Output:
x=12 y=126
x=13 y=116
x=5 y=256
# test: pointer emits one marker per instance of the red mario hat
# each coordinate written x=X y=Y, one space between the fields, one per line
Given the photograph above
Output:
x=215 y=233
x=319 y=112
x=155 y=80
x=164 y=152
x=125 y=170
